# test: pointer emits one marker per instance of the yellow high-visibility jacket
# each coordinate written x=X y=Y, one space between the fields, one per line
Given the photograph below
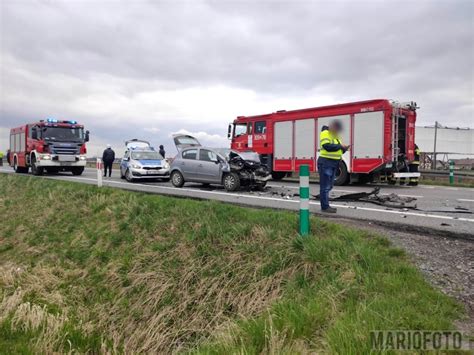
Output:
x=326 y=137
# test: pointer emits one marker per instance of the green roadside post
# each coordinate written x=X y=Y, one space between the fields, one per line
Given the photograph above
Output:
x=451 y=172
x=304 y=200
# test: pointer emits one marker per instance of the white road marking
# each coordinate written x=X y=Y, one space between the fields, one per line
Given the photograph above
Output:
x=406 y=213
x=464 y=200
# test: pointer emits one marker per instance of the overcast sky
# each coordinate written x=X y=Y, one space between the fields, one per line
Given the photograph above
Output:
x=147 y=69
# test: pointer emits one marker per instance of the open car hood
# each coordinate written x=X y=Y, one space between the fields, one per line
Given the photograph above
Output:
x=137 y=143
x=182 y=141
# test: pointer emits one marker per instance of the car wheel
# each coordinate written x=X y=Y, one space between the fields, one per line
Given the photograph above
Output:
x=177 y=179
x=231 y=182
x=128 y=176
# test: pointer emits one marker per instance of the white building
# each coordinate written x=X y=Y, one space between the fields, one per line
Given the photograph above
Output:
x=449 y=140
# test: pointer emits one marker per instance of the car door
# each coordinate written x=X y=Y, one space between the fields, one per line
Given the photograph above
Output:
x=208 y=167
x=188 y=164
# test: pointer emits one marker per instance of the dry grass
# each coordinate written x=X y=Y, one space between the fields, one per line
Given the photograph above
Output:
x=84 y=270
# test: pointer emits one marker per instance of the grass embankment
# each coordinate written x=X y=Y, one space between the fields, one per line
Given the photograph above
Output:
x=94 y=270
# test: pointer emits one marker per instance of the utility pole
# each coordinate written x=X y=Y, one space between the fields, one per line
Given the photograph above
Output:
x=434 y=148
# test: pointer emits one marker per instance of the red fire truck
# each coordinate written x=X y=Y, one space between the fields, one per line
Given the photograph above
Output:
x=381 y=134
x=48 y=145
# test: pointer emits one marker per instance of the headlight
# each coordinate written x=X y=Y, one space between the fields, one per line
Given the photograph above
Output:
x=166 y=165
x=135 y=166
x=46 y=157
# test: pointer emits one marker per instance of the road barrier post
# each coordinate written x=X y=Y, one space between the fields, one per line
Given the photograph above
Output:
x=99 y=172
x=451 y=172
x=304 y=200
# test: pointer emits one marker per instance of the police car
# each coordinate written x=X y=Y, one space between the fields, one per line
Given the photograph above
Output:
x=142 y=161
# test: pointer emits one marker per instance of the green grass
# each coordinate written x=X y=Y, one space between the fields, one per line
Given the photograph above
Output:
x=94 y=270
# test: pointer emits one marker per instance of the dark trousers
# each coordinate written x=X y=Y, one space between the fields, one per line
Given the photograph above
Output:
x=109 y=167
x=327 y=174
x=413 y=169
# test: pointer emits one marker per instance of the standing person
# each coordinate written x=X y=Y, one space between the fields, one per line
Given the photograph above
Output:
x=1 y=158
x=108 y=158
x=413 y=167
x=331 y=150
x=162 y=151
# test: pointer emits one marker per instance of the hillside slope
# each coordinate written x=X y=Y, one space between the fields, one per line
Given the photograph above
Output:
x=88 y=269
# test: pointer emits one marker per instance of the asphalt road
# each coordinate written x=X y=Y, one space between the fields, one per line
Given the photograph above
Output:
x=436 y=204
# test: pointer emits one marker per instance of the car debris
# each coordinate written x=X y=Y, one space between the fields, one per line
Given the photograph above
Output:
x=391 y=201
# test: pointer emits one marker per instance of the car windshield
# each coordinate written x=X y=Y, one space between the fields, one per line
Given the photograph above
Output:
x=146 y=156
x=63 y=134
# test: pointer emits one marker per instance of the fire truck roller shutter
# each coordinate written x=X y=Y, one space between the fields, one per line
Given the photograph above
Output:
x=368 y=135
x=283 y=146
x=305 y=143
x=367 y=150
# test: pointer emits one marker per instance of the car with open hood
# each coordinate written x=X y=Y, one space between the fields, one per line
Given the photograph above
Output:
x=142 y=161
x=195 y=163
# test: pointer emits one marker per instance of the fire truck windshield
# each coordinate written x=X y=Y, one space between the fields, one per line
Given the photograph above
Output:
x=240 y=129
x=63 y=134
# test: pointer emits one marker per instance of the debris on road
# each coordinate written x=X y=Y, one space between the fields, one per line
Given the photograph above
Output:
x=391 y=201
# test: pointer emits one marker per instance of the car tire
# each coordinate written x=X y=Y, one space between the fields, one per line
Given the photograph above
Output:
x=177 y=179
x=342 y=175
x=36 y=170
x=231 y=182
x=128 y=175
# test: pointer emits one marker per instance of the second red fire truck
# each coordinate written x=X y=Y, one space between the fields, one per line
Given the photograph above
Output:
x=48 y=145
x=381 y=134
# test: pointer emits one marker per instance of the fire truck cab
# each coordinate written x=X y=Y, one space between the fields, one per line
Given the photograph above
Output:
x=48 y=145
x=381 y=134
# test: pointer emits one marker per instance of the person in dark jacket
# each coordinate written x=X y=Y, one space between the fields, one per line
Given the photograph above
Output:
x=108 y=158
x=162 y=151
x=331 y=150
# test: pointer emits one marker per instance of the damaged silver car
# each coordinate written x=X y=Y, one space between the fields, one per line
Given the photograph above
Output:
x=195 y=163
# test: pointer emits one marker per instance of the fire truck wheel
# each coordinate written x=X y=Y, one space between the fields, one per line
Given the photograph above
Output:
x=77 y=171
x=36 y=170
x=342 y=176
x=19 y=169
x=231 y=182
x=177 y=179
x=278 y=175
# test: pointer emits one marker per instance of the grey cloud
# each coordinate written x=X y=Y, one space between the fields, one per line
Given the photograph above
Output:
x=55 y=54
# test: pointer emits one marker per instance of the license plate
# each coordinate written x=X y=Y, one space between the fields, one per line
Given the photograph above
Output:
x=66 y=158
x=151 y=172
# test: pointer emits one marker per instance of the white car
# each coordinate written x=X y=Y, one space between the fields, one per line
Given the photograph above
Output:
x=142 y=161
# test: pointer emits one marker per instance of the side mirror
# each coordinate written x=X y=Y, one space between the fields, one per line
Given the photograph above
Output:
x=229 y=131
x=87 y=136
x=34 y=133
